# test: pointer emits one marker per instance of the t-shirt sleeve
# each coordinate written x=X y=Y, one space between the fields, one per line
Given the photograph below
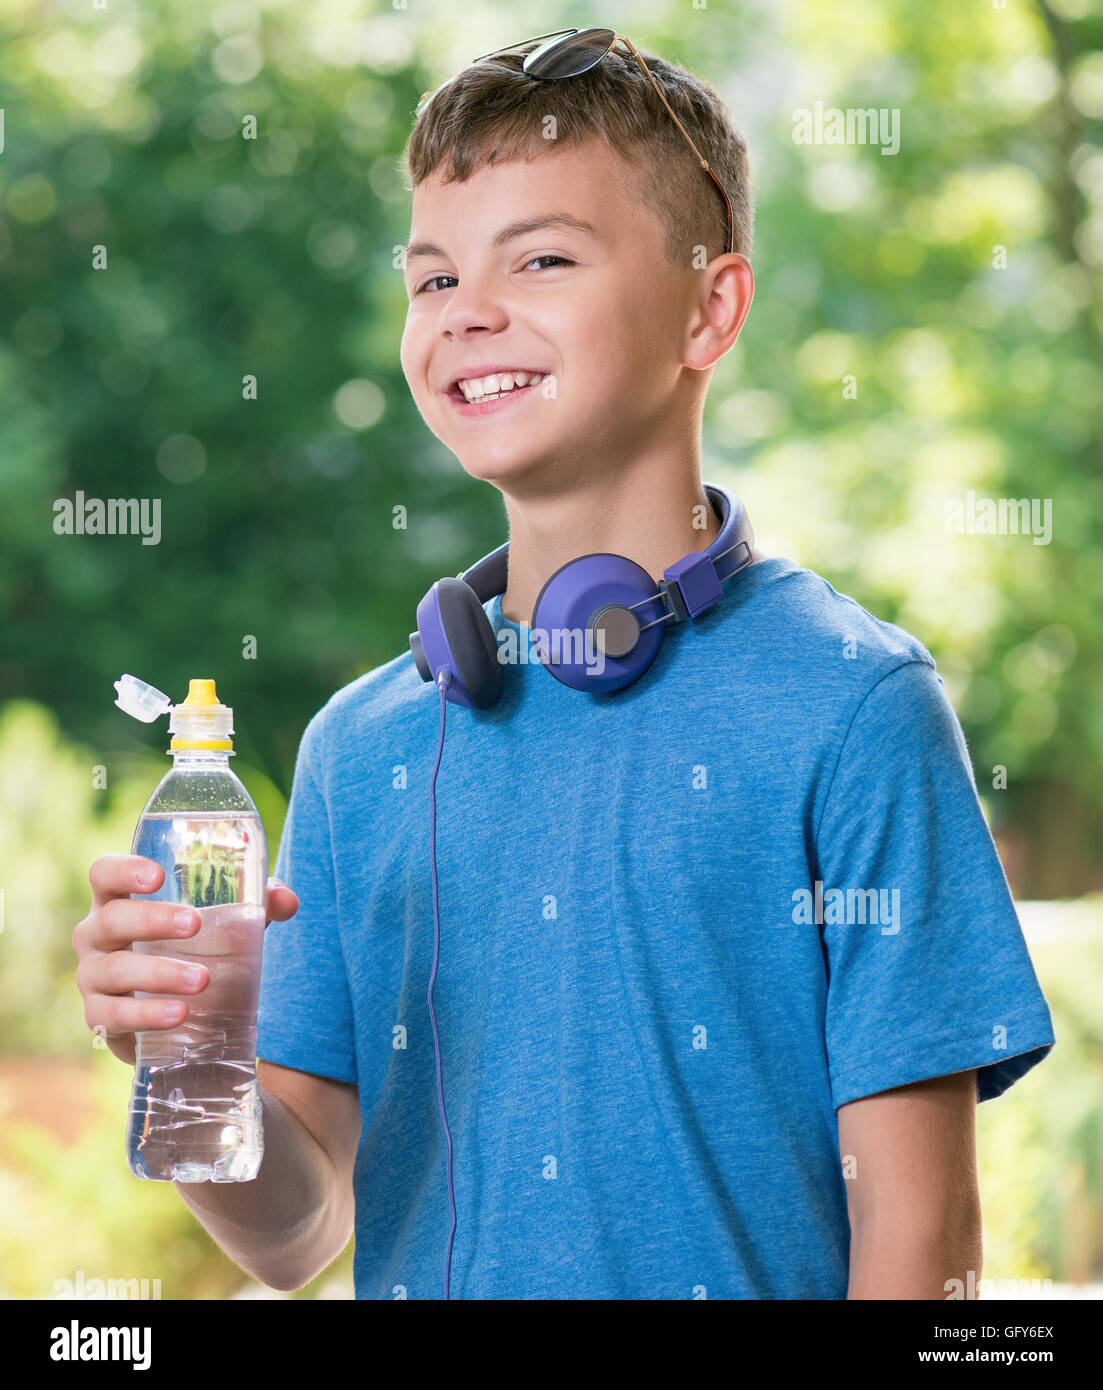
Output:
x=932 y=975
x=304 y=1018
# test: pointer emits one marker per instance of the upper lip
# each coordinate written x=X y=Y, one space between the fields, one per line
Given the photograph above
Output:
x=489 y=369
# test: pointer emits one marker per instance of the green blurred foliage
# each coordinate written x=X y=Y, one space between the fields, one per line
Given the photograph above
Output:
x=75 y=1205
x=275 y=258
x=61 y=808
x=968 y=377
x=52 y=825
x=226 y=257
x=1041 y=1144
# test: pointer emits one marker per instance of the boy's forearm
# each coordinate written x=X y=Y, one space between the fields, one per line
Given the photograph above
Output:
x=891 y=1257
x=286 y=1225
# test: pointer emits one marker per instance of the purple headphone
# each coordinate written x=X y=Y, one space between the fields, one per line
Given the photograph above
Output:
x=604 y=604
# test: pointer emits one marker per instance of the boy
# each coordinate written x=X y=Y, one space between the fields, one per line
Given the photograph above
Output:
x=721 y=960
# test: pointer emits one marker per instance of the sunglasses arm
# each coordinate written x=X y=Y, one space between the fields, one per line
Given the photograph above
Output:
x=700 y=157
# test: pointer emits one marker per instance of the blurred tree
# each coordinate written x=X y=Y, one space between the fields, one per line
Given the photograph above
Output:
x=956 y=282
x=927 y=326
x=226 y=258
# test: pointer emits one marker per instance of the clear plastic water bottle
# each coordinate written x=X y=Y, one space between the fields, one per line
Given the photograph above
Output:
x=195 y=1110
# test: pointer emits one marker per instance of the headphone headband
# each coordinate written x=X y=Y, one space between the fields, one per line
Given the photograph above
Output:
x=730 y=551
x=489 y=575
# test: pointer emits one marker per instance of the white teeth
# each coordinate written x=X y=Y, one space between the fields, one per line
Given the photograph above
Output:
x=496 y=384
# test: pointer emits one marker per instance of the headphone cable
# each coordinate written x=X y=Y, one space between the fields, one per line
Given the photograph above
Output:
x=443 y=682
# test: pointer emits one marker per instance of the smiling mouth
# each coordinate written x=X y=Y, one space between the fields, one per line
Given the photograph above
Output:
x=494 y=387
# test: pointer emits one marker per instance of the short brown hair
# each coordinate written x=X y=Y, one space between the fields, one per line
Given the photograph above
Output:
x=493 y=112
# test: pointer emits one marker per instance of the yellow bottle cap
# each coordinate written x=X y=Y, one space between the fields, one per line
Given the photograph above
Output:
x=201 y=692
x=201 y=720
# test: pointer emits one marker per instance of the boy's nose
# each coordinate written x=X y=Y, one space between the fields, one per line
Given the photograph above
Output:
x=470 y=310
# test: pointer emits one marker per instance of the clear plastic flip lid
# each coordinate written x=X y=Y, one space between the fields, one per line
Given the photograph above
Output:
x=140 y=700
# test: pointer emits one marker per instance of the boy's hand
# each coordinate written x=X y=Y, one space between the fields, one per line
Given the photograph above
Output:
x=108 y=971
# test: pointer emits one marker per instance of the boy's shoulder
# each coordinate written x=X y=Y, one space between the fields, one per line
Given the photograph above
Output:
x=803 y=635
x=380 y=699
x=797 y=610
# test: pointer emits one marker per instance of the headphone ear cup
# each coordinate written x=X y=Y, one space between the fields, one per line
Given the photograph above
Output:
x=471 y=642
x=574 y=597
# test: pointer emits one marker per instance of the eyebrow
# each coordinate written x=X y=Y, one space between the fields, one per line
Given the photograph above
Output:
x=515 y=229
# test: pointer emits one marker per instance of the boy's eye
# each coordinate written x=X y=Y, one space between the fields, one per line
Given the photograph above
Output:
x=421 y=288
x=558 y=260
x=561 y=260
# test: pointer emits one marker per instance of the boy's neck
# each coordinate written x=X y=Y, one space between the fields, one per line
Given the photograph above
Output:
x=647 y=516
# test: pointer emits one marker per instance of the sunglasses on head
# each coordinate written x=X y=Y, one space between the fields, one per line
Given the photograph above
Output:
x=569 y=52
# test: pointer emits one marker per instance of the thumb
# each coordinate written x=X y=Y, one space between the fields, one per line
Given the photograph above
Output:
x=282 y=902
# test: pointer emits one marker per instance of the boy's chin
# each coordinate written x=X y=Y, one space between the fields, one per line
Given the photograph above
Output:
x=498 y=467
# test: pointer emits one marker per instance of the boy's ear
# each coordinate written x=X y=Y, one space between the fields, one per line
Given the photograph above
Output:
x=724 y=292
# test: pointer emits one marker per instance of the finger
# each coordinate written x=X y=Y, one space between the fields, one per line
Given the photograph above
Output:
x=282 y=902
x=116 y=875
x=120 y=972
x=121 y=1016
x=123 y=920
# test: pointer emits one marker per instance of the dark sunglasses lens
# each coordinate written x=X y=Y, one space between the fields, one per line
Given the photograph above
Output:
x=573 y=55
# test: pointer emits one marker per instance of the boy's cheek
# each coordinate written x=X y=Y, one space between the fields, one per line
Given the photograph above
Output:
x=408 y=361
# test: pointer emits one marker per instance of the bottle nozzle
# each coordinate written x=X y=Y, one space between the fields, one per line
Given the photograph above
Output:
x=201 y=721
x=201 y=692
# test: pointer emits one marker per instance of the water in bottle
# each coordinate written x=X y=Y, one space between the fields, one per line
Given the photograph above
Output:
x=195 y=1111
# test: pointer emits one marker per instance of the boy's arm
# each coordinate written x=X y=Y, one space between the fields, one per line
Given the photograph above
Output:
x=913 y=1198
x=296 y=1216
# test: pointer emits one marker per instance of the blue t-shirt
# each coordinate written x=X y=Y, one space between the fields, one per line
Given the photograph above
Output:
x=681 y=924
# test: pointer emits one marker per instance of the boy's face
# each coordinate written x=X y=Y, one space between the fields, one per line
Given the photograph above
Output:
x=605 y=330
